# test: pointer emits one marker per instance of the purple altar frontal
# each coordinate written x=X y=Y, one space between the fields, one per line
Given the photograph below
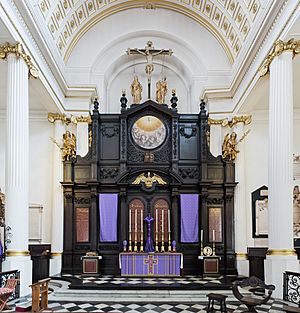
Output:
x=150 y=264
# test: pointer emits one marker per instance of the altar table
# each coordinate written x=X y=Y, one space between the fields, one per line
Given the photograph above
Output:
x=150 y=264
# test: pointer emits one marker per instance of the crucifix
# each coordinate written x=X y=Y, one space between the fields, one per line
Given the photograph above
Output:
x=149 y=52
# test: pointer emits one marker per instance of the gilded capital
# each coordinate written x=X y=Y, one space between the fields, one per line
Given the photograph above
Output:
x=52 y=117
x=18 y=50
x=246 y=119
x=278 y=48
x=81 y=119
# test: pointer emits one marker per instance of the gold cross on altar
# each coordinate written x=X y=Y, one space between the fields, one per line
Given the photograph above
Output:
x=149 y=52
x=151 y=262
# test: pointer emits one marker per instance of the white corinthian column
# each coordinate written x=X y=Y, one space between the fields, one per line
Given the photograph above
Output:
x=57 y=200
x=281 y=255
x=16 y=166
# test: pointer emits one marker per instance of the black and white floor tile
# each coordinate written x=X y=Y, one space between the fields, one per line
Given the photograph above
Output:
x=76 y=306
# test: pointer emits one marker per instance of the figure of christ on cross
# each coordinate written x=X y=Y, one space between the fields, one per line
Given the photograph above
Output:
x=149 y=243
x=149 y=52
x=150 y=261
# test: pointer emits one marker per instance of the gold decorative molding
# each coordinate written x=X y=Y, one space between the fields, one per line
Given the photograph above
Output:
x=52 y=117
x=56 y=254
x=18 y=50
x=282 y=252
x=81 y=119
x=246 y=119
x=17 y=253
x=278 y=48
x=241 y=256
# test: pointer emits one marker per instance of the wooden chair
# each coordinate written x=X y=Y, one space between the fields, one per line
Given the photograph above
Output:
x=253 y=283
x=7 y=291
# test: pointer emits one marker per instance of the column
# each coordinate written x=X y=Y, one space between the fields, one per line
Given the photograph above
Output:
x=281 y=255
x=240 y=213
x=17 y=172
x=57 y=202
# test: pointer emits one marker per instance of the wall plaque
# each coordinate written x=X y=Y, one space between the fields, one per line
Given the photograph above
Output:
x=82 y=224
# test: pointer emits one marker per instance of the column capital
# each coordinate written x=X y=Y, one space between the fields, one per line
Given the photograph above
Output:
x=18 y=50
x=245 y=119
x=278 y=48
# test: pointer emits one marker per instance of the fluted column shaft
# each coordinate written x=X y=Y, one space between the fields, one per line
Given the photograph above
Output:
x=57 y=201
x=17 y=153
x=281 y=256
x=241 y=230
x=280 y=174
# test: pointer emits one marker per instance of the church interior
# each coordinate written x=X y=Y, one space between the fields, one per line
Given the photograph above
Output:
x=149 y=154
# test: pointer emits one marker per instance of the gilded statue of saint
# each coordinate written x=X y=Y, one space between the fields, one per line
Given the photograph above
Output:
x=69 y=147
x=161 y=90
x=136 y=90
x=229 y=150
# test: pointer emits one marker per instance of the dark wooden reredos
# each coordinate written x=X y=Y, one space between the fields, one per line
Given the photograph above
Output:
x=114 y=161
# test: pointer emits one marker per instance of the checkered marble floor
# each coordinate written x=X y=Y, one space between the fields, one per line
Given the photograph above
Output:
x=112 y=282
x=76 y=306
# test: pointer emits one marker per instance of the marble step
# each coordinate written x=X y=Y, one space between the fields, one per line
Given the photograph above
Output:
x=136 y=295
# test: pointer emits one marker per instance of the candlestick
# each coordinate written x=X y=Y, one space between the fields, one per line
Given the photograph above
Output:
x=169 y=224
x=156 y=221
x=214 y=244
x=129 y=246
x=201 y=236
x=156 y=242
x=130 y=221
x=142 y=232
x=213 y=235
x=135 y=225
x=162 y=233
x=169 y=243
x=201 y=242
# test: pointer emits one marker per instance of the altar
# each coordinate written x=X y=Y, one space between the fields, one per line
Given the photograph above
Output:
x=150 y=264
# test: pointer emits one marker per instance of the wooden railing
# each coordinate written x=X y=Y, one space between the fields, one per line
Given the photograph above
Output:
x=11 y=274
x=40 y=295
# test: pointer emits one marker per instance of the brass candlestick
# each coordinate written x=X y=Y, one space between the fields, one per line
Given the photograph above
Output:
x=169 y=243
x=130 y=247
x=142 y=243
x=162 y=242
x=156 y=243
x=214 y=248
x=201 y=247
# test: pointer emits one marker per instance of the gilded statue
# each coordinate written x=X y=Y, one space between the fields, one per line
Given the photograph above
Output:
x=149 y=181
x=229 y=150
x=161 y=90
x=136 y=90
x=69 y=146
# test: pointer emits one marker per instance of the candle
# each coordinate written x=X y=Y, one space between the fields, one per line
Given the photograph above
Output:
x=156 y=222
x=130 y=221
x=201 y=236
x=142 y=221
x=169 y=228
x=162 y=222
x=213 y=235
x=135 y=222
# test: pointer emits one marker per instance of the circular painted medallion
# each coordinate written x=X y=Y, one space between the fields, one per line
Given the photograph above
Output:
x=148 y=132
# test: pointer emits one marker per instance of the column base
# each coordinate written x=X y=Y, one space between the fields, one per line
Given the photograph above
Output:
x=24 y=265
x=55 y=265
x=275 y=266
x=242 y=265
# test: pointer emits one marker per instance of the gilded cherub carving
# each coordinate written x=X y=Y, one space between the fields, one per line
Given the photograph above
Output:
x=69 y=146
x=229 y=150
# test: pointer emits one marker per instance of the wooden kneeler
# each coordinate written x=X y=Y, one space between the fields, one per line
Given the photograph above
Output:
x=40 y=295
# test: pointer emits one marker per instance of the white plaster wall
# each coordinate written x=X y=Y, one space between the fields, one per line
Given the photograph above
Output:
x=40 y=171
x=2 y=153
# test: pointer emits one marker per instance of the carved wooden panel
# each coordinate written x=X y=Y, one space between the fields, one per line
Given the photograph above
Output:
x=188 y=139
x=82 y=224
x=109 y=141
x=161 y=219
x=136 y=219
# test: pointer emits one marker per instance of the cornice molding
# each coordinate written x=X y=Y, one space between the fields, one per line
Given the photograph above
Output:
x=18 y=50
x=53 y=117
x=278 y=48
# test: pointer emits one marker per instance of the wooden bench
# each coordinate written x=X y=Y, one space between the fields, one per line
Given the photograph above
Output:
x=250 y=301
x=40 y=295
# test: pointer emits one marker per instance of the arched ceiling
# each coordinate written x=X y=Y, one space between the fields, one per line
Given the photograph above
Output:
x=229 y=21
